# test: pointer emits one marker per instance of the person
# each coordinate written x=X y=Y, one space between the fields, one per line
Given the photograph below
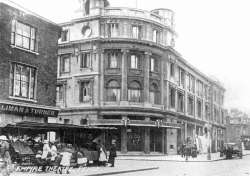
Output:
x=66 y=157
x=46 y=149
x=103 y=155
x=53 y=151
x=112 y=154
x=5 y=159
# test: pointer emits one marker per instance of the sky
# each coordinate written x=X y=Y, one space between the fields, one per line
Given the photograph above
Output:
x=213 y=36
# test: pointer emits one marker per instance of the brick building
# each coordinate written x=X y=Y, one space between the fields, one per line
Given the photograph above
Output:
x=28 y=58
x=118 y=67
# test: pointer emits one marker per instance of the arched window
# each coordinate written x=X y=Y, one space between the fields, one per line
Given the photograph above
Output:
x=154 y=92
x=134 y=92
x=113 y=91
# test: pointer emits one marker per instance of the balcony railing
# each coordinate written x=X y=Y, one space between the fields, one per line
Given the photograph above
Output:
x=130 y=12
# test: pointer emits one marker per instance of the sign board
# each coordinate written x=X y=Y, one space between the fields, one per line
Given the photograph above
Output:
x=29 y=111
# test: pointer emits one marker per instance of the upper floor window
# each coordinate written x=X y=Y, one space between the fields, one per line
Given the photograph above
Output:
x=180 y=102
x=24 y=36
x=134 y=61
x=85 y=60
x=181 y=77
x=207 y=113
x=153 y=65
x=22 y=81
x=113 y=60
x=172 y=69
x=113 y=91
x=206 y=92
x=85 y=92
x=136 y=32
x=199 y=88
x=134 y=92
x=154 y=94
x=65 y=35
x=65 y=63
x=59 y=93
x=172 y=92
x=113 y=29
x=190 y=105
x=155 y=35
x=199 y=108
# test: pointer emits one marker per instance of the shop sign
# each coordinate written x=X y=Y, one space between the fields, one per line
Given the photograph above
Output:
x=38 y=169
x=25 y=110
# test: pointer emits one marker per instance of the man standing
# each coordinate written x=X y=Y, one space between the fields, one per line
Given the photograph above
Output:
x=5 y=159
x=112 y=153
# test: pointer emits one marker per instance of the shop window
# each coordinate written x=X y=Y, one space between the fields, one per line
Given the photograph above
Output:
x=24 y=36
x=154 y=94
x=113 y=60
x=85 y=60
x=180 y=102
x=22 y=81
x=172 y=97
x=65 y=64
x=85 y=92
x=134 y=92
x=113 y=91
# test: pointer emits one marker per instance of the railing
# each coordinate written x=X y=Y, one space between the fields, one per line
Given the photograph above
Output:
x=130 y=12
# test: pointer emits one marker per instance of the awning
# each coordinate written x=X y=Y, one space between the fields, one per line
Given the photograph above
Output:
x=53 y=126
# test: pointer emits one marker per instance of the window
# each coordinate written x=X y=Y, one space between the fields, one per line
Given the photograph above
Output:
x=190 y=105
x=206 y=88
x=192 y=84
x=153 y=65
x=134 y=92
x=113 y=60
x=134 y=61
x=24 y=36
x=181 y=77
x=113 y=91
x=22 y=81
x=65 y=64
x=64 y=35
x=113 y=29
x=207 y=113
x=85 y=60
x=154 y=92
x=136 y=32
x=59 y=93
x=85 y=91
x=155 y=35
x=199 y=108
x=172 y=70
x=172 y=97
x=180 y=102
x=199 y=88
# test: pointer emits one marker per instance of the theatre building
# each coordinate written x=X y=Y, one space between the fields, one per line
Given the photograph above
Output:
x=28 y=58
x=117 y=67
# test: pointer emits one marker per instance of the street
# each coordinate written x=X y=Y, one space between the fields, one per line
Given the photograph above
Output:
x=235 y=167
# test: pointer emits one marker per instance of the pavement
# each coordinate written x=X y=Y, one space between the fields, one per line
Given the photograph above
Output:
x=136 y=165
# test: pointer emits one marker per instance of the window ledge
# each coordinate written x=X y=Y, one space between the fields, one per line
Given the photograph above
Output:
x=17 y=47
x=24 y=99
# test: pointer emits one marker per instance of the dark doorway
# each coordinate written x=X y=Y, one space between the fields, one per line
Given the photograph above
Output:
x=155 y=140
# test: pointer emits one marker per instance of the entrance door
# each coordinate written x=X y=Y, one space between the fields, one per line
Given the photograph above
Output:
x=135 y=139
x=155 y=140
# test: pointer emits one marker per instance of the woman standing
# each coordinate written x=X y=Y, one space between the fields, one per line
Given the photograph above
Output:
x=112 y=154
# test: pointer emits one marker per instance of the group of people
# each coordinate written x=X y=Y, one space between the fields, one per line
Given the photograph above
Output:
x=188 y=149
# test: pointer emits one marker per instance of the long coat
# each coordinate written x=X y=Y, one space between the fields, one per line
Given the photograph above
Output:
x=112 y=153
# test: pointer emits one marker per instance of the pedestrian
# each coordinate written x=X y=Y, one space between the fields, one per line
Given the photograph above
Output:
x=112 y=154
x=5 y=159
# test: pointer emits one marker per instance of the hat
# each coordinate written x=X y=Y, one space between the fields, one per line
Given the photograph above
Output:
x=3 y=138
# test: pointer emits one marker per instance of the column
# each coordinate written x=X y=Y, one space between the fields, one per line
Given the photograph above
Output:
x=163 y=91
x=185 y=128
x=147 y=138
x=165 y=141
x=124 y=84
x=146 y=79
x=101 y=81
x=124 y=137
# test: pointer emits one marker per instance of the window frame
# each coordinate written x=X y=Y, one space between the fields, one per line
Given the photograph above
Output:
x=114 y=89
x=62 y=63
x=87 y=89
x=138 y=31
x=172 y=93
x=136 y=64
x=135 y=91
x=67 y=35
x=85 y=60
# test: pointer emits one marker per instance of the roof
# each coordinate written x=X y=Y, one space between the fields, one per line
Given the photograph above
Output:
x=53 y=126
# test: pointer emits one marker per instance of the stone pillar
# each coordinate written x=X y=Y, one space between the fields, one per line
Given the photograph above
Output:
x=124 y=137
x=186 y=135
x=124 y=84
x=163 y=91
x=165 y=141
x=146 y=78
x=147 y=138
x=101 y=82
x=163 y=136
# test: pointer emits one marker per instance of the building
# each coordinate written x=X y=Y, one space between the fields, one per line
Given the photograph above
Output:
x=118 y=67
x=28 y=58
x=238 y=128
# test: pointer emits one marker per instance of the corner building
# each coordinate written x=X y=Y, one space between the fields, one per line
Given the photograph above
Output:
x=118 y=67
